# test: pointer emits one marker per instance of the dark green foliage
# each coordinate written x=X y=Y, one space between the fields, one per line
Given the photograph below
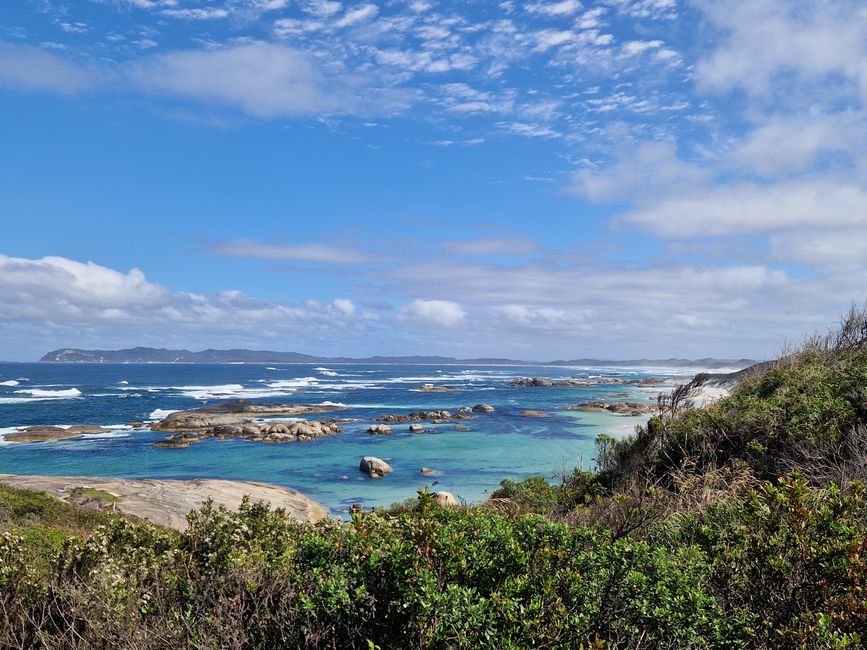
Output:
x=534 y=494
x=773 y=423
x=432 y=578
x=787 y=559
x=45 y=522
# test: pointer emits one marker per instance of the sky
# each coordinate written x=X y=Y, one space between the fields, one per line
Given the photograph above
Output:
x=540 y=180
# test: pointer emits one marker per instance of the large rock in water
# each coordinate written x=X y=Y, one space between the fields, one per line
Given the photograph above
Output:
x=374 y=467
x=378 y=429
x=483 y=408
x=51 y=433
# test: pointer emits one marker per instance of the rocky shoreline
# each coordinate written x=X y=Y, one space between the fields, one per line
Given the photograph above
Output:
x=547 y=382
x=618 y=408
x=166 y=502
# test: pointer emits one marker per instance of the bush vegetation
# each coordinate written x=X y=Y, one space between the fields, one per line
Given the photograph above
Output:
x=738 y=525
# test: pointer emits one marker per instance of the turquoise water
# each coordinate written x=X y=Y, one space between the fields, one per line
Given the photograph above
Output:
x=470 y=464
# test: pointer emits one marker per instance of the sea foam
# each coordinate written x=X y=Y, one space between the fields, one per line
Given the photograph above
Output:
x=50 y=394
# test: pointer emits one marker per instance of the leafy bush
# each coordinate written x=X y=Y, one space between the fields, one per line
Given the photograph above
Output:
x=788 y=558
x=432 y=578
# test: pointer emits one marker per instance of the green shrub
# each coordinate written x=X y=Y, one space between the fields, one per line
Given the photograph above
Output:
x=428 y=578
x=790 y=559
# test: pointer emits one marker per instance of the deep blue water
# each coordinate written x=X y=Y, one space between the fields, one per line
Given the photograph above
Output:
x=471 y=464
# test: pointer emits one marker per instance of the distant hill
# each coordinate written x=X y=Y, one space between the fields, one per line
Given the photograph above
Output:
x=162 y=355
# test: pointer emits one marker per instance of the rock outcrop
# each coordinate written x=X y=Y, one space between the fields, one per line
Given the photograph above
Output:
x=276 y=432
x=378 y=429
x=432 y=416
x=618 y=408
x=445 y=499
x=232 y=420
x=547 y=382
x=49 y=433
x=167 y=502
x=234 y=412
x=483 y=408
x=374 y=467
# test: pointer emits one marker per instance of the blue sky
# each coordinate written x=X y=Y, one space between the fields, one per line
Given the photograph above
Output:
x=540 y=179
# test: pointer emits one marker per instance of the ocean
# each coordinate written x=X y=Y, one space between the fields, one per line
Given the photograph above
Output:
x=470 y=464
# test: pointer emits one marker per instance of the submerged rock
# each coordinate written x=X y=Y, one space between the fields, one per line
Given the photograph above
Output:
x=374 y=467
x=533 y=413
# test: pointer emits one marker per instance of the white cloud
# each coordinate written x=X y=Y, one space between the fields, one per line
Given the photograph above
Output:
x=442 y=313
x=765 y=40
x=321 y=8
x=358 y=15
x=66 y=302
x=529 y=130
x=845 y=247
x=647 y=170
x=783 y=145
x=675 y=199
x=263 y=79
x=634 y=48
x=548 y=38
x=493 y=246
x=320 y=253
x=73 y=27
x=200 y=13
x=652 y=9
x=753 y=208
x=32 y=68
x=344 y=306
x=554 y=9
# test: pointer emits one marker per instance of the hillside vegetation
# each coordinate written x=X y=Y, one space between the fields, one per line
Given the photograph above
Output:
x=738 y=525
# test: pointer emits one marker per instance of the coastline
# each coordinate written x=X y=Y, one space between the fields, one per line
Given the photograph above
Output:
x=167 y=501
